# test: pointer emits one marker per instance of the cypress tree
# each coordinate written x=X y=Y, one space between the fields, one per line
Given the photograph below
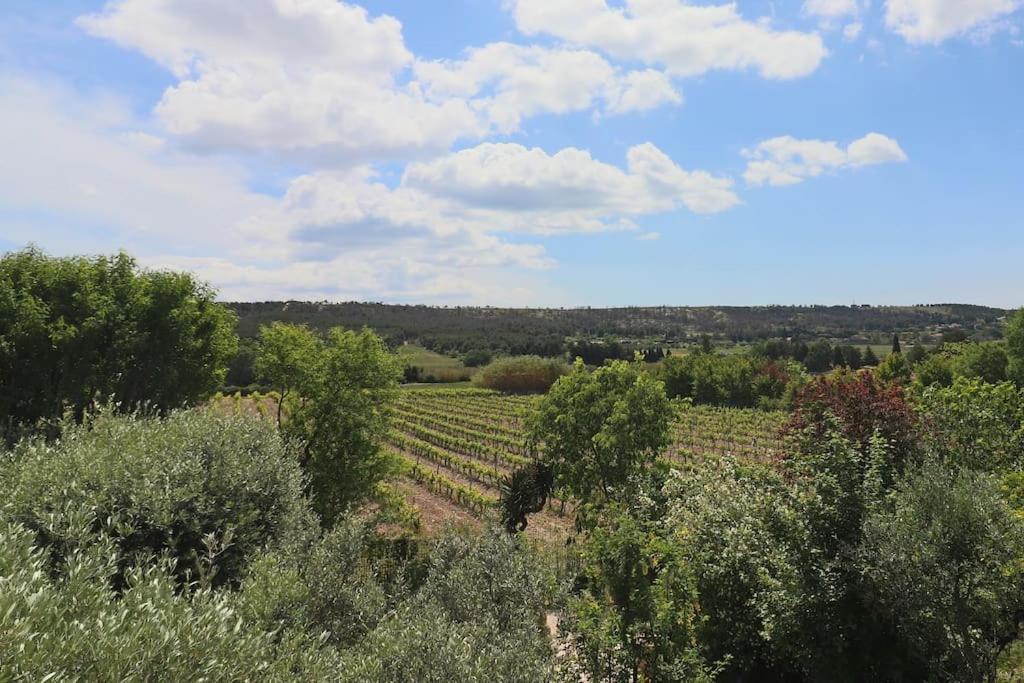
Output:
x=896 y=343
x=869 y=357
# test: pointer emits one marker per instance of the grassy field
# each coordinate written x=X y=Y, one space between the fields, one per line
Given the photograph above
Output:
x=434 y=365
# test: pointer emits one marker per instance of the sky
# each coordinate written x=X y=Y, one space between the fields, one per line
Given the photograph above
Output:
x=526 y=152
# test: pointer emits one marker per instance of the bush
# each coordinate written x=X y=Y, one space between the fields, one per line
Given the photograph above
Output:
x=981 y=424
x=74 y=627
x=945 y=565
x=476 y=358
x=207 y=489
x=520 y=374
x=479 y=616
x=736 y=381
x=469 y=610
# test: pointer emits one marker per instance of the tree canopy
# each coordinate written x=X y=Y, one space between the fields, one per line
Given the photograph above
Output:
x=78 y=329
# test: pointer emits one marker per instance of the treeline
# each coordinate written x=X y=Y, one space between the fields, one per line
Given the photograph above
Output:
x=817 y=356
x=544 y=332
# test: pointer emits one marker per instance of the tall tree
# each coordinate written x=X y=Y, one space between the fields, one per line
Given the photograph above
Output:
x=285 y=357
x=74 y=329
x=340 y=413
x=896 y=344
x=870 y=359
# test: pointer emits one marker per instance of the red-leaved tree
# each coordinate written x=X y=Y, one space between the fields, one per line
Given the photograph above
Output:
x=861 y=404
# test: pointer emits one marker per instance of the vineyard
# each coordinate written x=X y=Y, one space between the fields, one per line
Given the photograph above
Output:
x=458 y=445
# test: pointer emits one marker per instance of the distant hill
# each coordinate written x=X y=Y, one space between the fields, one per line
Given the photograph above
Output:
x=545 y=330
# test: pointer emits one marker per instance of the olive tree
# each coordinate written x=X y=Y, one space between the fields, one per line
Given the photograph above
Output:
x=944 y=563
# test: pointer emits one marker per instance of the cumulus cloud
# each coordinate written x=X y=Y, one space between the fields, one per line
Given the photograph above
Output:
x=529 y=190
x=326 y=82
x=84 y=156
x=508 y=82
x=81 y=175
x=685 y=39
x=316 y=77
x=445 y=215
x=787 y=160
x=933 y=21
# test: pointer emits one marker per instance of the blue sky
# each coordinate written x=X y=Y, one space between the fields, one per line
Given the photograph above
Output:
x=526 y=152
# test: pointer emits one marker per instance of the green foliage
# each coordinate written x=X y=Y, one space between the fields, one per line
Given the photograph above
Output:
x=476 y=358
x=737 y=381
x=76 y=329
x=344 y=385
x=1014 y=336
x=819 y=356
x=471 y=610
x=599 y=428
x=895 y=368
x=981 y=425
x=520 y=374
x=936 y=370
x=740 y=530
x=72 y=627
x=945 y=565
x=286 y=357
x=638 y=614
x=986 y=361
x=211 y=491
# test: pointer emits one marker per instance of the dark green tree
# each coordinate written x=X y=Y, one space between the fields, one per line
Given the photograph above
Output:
x=896 y=344
x=77 y=329
x=870 y=359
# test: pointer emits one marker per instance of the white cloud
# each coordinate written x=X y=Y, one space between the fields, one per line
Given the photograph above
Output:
x=874 y=148
x=88 y=179
x=324 y=82
x=933 y=21
x=84 y=156
x=852 y=30
x=509 y=82
x=522 y=189
x=685 y=39
x=787 y=160
x=649 y=236
x=318 y=78
x=831 y=9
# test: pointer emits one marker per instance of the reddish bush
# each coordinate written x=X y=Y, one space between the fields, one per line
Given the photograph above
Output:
x=861 y=403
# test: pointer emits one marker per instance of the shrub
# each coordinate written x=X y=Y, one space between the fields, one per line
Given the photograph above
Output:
x=520 y=374
x=197 y=485
x=945 y=565
x=476 y=358
x=73 y=626
x=479 y=616
x=980 y=424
